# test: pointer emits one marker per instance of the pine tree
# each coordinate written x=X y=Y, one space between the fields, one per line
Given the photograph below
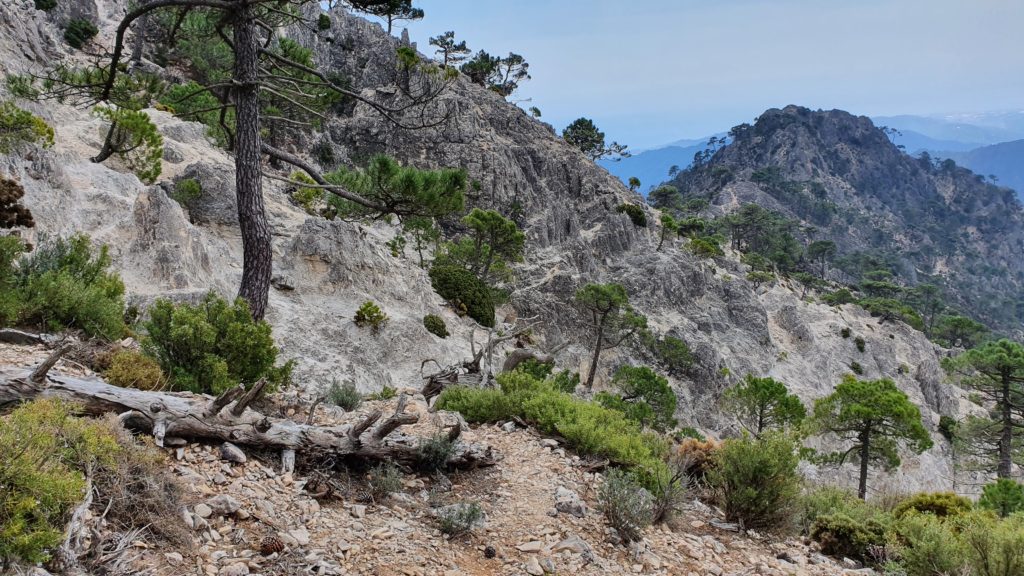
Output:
x=614 y=321
x=762 y=404
x=995 y=370
x=249 y=82
x=873 y=417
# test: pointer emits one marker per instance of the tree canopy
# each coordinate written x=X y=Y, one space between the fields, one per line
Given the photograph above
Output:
x=873 y=418
x=762 y=404
x=583 y=134
x=995 y=370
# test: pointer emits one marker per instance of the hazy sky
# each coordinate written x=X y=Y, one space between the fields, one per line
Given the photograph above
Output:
x=653 y=71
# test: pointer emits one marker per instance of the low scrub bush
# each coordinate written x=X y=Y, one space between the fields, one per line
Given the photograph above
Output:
x=642 y=396
x=940 y=504
x=384 y=480
x=19 y=128
x=459 y=518
x=433 y=453
x=79 y=32
x=64 y=283
x=859 y=342
x=137 y=489
x=856 y=368
x=468 y=294
x=829 y=500
x=46 y=5
x=131 y=369
x=211 y=346
x=435 y=325
x=839 y=297
x=627 y=506
x=756 y=480
x=707 y=246
x=1004 y=497
x=44 y=453
x=588 y=428
x=636 y=214
x=386 y=393
x=536 y=369
x=841 y=536
x=369 y=314
x=344 y=395
x=928 y=546
x=187 y=191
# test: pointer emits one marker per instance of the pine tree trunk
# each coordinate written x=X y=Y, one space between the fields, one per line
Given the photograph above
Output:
x=865 y=452
x=252 y=217
x=1006 y=436
x=597 y=352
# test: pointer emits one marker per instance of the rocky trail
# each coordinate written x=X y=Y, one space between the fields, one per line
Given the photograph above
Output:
x=539 y=504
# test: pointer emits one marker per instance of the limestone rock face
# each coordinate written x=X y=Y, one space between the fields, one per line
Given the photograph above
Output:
x=324 y=270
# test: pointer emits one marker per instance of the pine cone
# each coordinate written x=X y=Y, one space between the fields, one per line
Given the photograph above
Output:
x=270 y=545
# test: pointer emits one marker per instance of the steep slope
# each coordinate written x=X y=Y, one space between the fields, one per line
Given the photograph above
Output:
x=326 y=269
x=842 y=176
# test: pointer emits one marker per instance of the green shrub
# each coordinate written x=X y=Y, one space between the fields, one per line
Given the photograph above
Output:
x=62 y=284
x=939 y=504
x=674 y=354
x=928 y=546
x=308 y=197
x=756 y=481
x=323 y=22
x=433 y=453
x=535 y=368
x=44 y=452
x=212 y=346
x=386 y=393
x=459 y=518
x=131 y=369
x=369 y=314
x=187 y=191
x=384 y=480
x=758 y=277
x=435 y=325
x=830 y=500
x=565 y=381
x=1004 y=497
x=636 y=214
x=46 y=5
x=841 y=536
x=588 y=428
x=839 y=297
x=993 y=546
x=463 y=290
x=707 y=246
x=689 y=432
x=856 y=368
x=643 y=397
x=859 y=342
x=627 y=506
x=19 y=128
x=845 y=332
x=79 y=32
x=344 y=396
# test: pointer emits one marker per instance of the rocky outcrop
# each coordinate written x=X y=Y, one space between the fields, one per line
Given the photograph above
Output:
x=842 y=176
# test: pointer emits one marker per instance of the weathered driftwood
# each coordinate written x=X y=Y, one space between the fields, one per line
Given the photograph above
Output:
x=171 y=417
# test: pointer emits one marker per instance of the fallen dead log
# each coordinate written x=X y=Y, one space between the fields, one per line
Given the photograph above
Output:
x=174 y=417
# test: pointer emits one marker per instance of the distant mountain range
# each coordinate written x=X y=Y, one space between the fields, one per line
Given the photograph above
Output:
x=988 y=144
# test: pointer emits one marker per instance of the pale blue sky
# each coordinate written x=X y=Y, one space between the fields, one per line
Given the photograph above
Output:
x=653 y=71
